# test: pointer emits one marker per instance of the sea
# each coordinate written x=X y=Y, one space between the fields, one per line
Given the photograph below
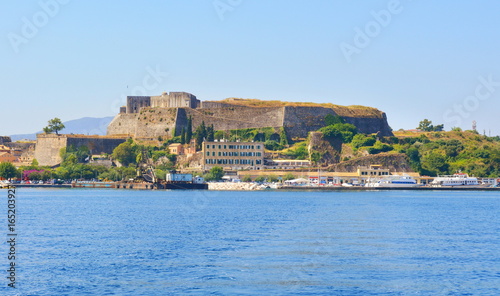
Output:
x=272 y=242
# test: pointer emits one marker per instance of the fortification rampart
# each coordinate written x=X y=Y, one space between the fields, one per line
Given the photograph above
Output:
x=298 y=120
x=4 y=140
x=48 y=146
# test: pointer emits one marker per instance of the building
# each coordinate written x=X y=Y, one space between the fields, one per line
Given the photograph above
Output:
x=286 y=164
x=374 y=170
x=176 y=148
x=7 y=157
x=233 y=155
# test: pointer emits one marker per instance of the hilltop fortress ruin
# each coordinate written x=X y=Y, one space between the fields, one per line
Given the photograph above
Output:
x=150 y=117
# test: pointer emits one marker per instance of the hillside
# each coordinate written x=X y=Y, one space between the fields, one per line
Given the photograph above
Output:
x=438 y=153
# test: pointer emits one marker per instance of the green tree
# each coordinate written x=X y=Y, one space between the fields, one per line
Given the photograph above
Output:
x=425 y=125
x=246 y=178
x=216 y=173
x=289 y=176
x=201 y=135
x=183 y=136
x=434 y=164
x=272 y=178
x=361 y=140
x=260 y=178
x=283 y=137
x=55 y=125
x=344 y=131
x=124 y=153
x=331 y=119
x=189 y=130
x=7 y=170
x=210 y=133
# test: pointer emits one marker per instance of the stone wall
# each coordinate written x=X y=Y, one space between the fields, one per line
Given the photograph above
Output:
x=123 y=124
x=297 y=120
x=135 y=103
x=48 y=146
x=301 y=120
x=175 y=100
x=4 y=140
x=371 y=125
x=155 y=122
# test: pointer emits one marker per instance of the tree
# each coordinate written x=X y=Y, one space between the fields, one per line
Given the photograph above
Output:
x=55 y=125
x=283 y=137
x=210 y=133
x=435 y=164
x=183 y=136
x=189 y=130
x=246 y=178
x=201 y=135
x=333 y=119
x=426 y=126
x=216 y=173
x=7 y=170
x=345 y=131
x=124 y=153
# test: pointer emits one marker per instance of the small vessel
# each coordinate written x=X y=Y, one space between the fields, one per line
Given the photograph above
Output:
x=459 y=179
x=174 y=180
x=395 y=181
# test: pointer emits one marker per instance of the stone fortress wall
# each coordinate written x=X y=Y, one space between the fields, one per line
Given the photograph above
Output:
x=48 y=146
x=162 y=116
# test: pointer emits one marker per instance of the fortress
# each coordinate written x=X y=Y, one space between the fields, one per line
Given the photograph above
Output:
x=150 y=117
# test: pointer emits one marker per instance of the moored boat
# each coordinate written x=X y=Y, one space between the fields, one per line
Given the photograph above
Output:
x=459 y=179
x=395 y=181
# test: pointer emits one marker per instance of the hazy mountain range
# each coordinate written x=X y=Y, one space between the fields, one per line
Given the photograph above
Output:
x=85 y=126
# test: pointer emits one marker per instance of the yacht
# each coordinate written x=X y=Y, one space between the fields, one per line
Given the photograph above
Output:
x=393 y=182
x=459 y=179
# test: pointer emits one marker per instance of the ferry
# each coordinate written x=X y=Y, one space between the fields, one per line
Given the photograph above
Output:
x=459 y=179
x=395 y=181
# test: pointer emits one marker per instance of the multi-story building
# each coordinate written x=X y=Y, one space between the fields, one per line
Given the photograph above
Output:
x=233 y=155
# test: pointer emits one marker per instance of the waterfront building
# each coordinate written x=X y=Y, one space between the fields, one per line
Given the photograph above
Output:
x=233 y=155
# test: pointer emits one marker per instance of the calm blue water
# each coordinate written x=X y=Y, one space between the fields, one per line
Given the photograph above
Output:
x=113 y=242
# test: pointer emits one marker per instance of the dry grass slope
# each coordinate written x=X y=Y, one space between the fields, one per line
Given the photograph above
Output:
x=346 y=111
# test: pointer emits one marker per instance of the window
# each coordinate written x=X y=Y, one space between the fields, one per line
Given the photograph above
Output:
x=213 y=146
x=219 y=153
x=213 y=153
x=224 y=146
x=208 y=146
x=258 y=147
x=208 y=153
x=219 y=146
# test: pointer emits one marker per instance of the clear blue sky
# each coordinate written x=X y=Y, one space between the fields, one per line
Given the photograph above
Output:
x=420 y=59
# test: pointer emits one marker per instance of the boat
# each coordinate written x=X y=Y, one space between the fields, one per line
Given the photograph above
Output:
x=395 y=181
x=459 y=179
x=174 y=180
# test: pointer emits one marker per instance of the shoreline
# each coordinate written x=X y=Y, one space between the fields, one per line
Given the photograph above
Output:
x=223 y=186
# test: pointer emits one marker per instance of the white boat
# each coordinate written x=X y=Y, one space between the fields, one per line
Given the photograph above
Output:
x=395 y=181
x=459 y=179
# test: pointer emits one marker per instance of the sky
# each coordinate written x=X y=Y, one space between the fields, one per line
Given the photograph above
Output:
x=414 y=60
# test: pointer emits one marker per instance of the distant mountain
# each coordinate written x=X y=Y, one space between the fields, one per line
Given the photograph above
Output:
x=86 y=126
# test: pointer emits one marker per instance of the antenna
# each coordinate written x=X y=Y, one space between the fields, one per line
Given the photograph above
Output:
x=474 y=125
